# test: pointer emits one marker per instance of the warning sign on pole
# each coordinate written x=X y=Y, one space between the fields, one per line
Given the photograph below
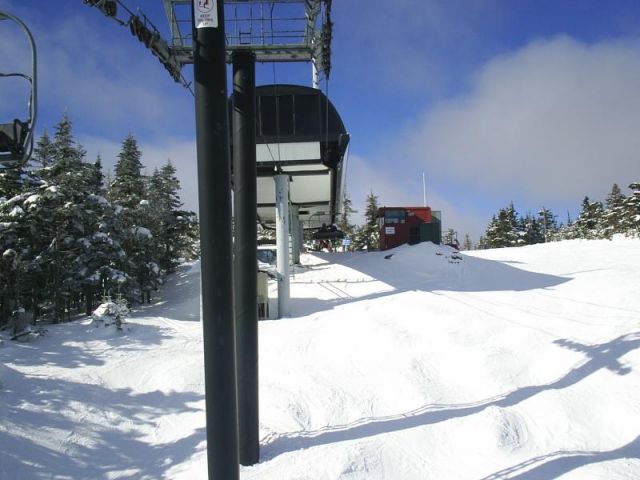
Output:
x=205 y=13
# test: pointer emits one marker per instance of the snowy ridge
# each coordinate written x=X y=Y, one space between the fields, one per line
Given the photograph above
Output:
x=502 y=364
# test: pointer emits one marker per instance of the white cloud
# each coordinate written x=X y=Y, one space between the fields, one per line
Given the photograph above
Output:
x=101 y=74
x=410 y=46
x=402 y=186
x=553 y=121
x=183 y=156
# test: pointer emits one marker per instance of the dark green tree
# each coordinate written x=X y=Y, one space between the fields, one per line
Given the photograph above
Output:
x=631 y=220
x=504 y=230
x=43 y=151
x=128 y=186
x=170 y=225
x=614 y=212
x=466 y=244
x=548 y=222
x=590 y=221
x=344 y=218
x=367 y=237
x=532 y=231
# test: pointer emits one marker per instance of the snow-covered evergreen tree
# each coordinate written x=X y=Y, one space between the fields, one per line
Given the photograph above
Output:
x=590 y=221
x=43 y=151
x=170 y=225
x=16 y=237
x=450 y=237
x=631 y=206
x=531 y=228
x=504 y=229
x=111 y=312
x=549 y=224
x=67 y=157
x=128 y=191
x=344 y=218
x=128 y=186
x=614 y=212
x=367 y=236
x=467 y=244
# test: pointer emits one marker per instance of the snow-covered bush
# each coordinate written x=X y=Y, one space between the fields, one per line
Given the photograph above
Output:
x=21 y=329
x=111 y=312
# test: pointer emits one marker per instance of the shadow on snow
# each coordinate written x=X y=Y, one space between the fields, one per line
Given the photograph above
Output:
x=423 y=267
x=558 y=463
x=598 y=357
x=38 y=412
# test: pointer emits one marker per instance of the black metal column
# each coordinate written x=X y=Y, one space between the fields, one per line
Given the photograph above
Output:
x=245 y=254
x=214 y=192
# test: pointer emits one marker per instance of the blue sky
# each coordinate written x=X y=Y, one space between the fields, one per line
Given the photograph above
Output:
x=530 y=101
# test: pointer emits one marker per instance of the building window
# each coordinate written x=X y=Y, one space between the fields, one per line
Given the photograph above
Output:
x=394 y=216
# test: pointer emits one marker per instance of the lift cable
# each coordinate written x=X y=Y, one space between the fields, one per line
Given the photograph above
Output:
x=141 y=27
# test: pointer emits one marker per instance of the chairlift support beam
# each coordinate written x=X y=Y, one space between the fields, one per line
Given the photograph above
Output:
x=245 y=256
x=295 y=35
x=214 y=195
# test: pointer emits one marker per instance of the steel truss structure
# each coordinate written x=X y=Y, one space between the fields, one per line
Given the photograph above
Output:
x=274 y=30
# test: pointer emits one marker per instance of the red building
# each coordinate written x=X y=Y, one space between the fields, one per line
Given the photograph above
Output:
x=400 y=225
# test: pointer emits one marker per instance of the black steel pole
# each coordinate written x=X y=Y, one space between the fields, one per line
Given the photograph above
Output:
x=214 y=194
x=245 y=251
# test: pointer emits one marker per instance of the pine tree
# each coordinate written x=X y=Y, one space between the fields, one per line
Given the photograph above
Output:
x=466 y=244
x=43 y=150
x=66 y=155
x=12 y=231
x=17 y=234
x=631 y=222
x=614 y=212
x=170 y=225
x=450 y=237
x=548 y=222
x=345 y=216
x=504 y=230
x=367 y=237
x=11 y=183
x=66 y=168
x=96 y=177
x=532 y=230
x=127 y=188
x=590 y=221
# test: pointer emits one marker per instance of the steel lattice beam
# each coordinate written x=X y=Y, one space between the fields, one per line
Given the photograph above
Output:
x=275 y=30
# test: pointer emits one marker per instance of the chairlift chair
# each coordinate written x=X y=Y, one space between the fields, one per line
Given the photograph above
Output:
x=16 y=136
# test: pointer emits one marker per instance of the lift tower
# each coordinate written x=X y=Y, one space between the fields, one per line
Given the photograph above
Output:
x=255 y=31
x=208 y=34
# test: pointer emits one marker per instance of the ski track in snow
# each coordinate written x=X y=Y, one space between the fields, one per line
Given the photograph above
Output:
x=508 y=364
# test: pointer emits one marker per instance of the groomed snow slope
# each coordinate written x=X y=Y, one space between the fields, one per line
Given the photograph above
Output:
x=504 y=364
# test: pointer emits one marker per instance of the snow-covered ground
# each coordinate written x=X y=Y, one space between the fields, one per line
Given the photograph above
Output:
x=513 y=363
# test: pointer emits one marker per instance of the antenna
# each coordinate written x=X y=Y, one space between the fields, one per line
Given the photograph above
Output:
x=424 y=190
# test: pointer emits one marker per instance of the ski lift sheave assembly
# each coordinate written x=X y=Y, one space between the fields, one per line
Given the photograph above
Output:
x=16 y=136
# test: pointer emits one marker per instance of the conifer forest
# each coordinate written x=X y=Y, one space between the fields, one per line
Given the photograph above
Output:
x=71 y=236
